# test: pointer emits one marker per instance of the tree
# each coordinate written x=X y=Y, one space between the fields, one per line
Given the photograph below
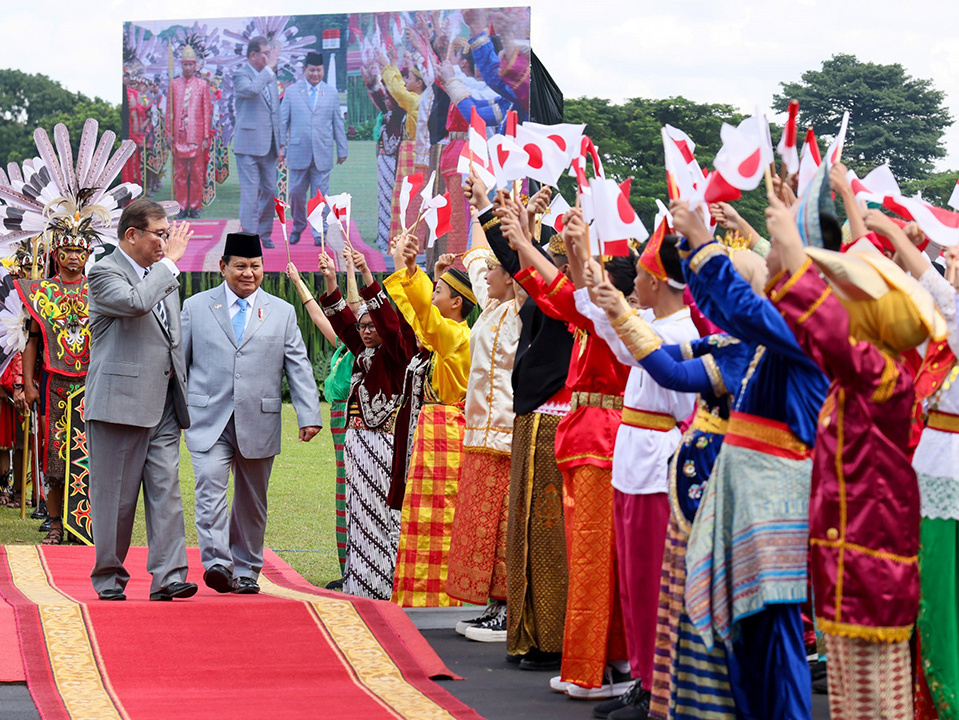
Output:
x=31 y=101
x=893 y=117
x=629 y=139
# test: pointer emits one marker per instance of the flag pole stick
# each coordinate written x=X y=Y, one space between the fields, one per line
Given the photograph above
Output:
x=769 y=181
x=25 y=465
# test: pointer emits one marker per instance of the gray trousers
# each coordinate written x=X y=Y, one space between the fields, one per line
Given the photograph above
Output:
x=122 y=458
x=257 y=190
x=303 y=186
x=231 y=538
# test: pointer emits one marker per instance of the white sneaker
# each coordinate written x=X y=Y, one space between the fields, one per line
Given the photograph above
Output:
x=493 y=629
x=615 y=683
x=557 y=684
x=463 y=625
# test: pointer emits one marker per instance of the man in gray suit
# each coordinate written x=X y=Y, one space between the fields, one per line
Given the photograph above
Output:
x=257 y=143
x=136 y=402
x=239 y=340
x=310 y=123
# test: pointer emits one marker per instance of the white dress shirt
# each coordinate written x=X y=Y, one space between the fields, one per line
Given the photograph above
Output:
x=232 y=303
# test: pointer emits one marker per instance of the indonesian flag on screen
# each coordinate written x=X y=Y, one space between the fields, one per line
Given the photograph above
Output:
x=340 y=207
x=411 y=185
x=314 y=210
x=476 y=151
x=509 y=160
x=555 y=218
x=567 y=137
x=437 y=217
x=745 y=154
x=834 y=153
x=809 y=161
x=954 y=198
x=789 y=143
x=545 y=161
x=615 y=220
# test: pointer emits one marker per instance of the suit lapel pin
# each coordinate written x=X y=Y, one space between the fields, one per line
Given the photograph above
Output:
x=259 y=314
x=217 y=306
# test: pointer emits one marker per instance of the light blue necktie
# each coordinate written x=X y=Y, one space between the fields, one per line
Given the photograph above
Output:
x=312 y=96
x=239 y=320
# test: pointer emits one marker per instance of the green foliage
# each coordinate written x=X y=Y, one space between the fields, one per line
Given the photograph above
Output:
x=935 y=188
x=629 y=139
x=31 y=101
x=893 y=117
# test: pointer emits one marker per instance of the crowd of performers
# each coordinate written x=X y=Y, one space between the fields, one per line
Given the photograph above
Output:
x=672 y=471
x=426 y=97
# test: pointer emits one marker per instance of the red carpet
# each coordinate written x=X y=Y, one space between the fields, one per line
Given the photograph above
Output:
x=293 y=651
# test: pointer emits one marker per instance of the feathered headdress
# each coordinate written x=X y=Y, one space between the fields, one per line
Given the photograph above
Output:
x=68 y=201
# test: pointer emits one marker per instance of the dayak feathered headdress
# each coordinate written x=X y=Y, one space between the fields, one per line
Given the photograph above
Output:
x=69 y=202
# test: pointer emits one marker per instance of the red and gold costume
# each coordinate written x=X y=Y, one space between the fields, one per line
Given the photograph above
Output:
x=585 y=439
x=189 y=126
x=864 y=507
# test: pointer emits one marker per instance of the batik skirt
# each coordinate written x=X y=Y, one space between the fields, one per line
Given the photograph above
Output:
x=385 y=180
x=338 y=430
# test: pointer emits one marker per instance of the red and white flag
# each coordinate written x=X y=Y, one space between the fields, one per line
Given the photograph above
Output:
x=555 y=218
x=940 y=225
x=953 y=201
x=687 y=149
x=545 y=161
x=438 y=217
x=566 y=136
x=718 y=190
x=340 y=207
x=314 y=211
x=834 y=153
x=476 y=151
x=615 y=220
x=875 y=186
x=789 y=143
x=411 y=185
x=512 y=120
x=508 y=159
x=680 y=183
x=745 y=154
x=809 y=161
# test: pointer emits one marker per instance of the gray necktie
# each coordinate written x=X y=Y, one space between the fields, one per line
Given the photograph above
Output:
x=161 y=311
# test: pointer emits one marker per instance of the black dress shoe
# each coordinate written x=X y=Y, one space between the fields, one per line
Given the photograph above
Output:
x=45 y=525
x=334 y=584
x=40 y=512
x=112 y=594
x=175 y=590
x=267 y=243
x=245 y=586
x=218 y=578
x=194 y=213
x=294 y=239
x=539 y=660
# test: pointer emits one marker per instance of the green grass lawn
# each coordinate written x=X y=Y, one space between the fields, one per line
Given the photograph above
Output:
x=300 y=524
x=357 y=176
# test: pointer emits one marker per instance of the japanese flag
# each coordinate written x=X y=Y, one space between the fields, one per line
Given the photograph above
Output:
x=718 y=190
x=545 y=161
x=509 y=160
x=567 y=137
x=615 y=220
x=789 y=143
x=954 y=198
x=834 y=153
x=411 y=185
x=745 y=153
x=557 y=212
x=809 y=161
x=314 y=210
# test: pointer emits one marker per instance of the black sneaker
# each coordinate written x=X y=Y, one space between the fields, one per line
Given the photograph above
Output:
x=492 y=629
x=606 y=707
x=636 y=701
x=488 y=612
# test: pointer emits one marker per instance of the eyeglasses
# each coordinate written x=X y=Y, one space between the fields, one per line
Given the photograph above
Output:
x=366 y=327
x=164 y=235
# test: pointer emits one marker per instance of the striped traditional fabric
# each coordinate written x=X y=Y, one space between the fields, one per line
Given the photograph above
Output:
x=427 y=518
x=338 y=430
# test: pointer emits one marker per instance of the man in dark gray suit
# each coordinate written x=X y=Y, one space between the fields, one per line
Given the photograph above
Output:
x=239 y=342
x=311 y=124
x=257 y=143
x=136 y=402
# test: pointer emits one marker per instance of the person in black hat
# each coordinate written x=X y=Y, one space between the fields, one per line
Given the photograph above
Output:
x=310 y=125
x=239 y=341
